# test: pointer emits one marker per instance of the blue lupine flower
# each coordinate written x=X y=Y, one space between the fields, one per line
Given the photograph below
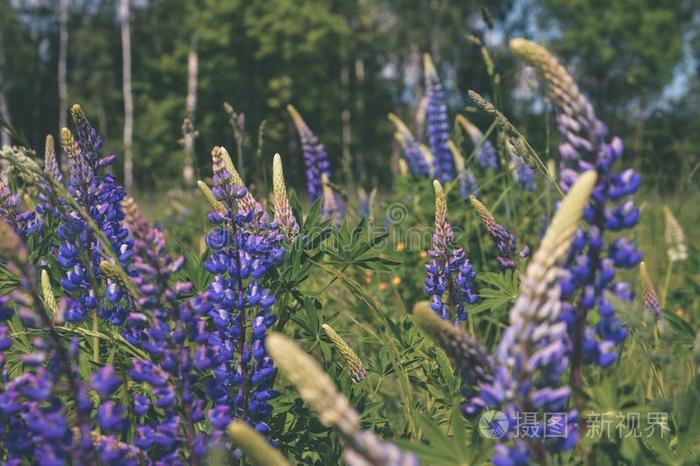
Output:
x=100 y=196
x=245 y=245
x=450 y=271
x=486 y=155
x=412 y=152
x=533 y=352
x=593 y=260
x=505 y=240
x=437 y=123
x=523 y=173
x=315 y=156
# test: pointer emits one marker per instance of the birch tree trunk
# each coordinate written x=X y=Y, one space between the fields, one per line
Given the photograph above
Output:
x=191 y=107
x=62 y=65
x=128 y=97
x=4 y=109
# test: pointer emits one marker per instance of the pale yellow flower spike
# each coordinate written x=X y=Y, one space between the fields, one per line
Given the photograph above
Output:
x=256 y=448
x=49 y=298
x=674 y=236
x=352 y=360
x=475 y=133
x=279 y=188
x=328 y=197
x=70 y=147
x=427 y=154
x=651 y=299
x=217 y=205
x=296 y=117
x=428 y=66
x=440 y=203
x=49 y=148
x=460 y=164
x=228 y=164
x=559 y=82
x=556 y=242
x=400 y=126
x=117 y=274
x=403 y=168
x=485 y=214
x=313 y=384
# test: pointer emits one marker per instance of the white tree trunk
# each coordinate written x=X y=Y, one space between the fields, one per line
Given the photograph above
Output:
x=4 y=109
x=128 y=97
x=191 y=107
x=63 y=66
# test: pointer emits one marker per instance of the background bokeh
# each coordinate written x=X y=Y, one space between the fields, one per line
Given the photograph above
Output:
x=345 y=65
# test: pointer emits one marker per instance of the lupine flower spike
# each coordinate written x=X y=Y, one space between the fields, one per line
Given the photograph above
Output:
x=363 y=447
x=486 y=155
x=255 y=447
x=438 y=123
x=651 y=300
x=449 y=275
x=49 y=298
x=331 y=209
x=280 y=201
x=50 y=164
x=245 y=246
x=591 y=266
x=533 y=352
x=412 y=152
x=471 y=359
x=351 y=359
x=505 y=241
x=315 y=156
x=467 y=181
x=80 y=252
x=524 y=174
x=675 y=237
x=366 y=202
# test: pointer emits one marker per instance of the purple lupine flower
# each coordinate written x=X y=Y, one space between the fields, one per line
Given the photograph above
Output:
x=244 y=246
x=437 y=123
x=33 y=419
x=79 y=253
x=533 y=352
x=486 y=155
x=505 y=241
x=412 y=153
x=175 y=330
x=594 y=258
x=449 y=271
x=26 y=223
x=315 y=156
x=523 y=173
x=468 y=185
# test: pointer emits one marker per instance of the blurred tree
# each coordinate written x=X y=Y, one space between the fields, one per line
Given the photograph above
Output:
x=626 y=52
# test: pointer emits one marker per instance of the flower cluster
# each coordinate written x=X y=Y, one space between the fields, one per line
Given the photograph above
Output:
x=467 y=181
x=26 y=223
x=505 y=241
x=245 y=246
x=351 y=359
x=486 y=154
x=317 y=167
x=437 y=123
x=80 y=253
x=412 y=152
x=674 y=237
x=533 y=352
x=594 y=258
x=449 y=271
x=175 y=340
x=283 y=211
x=524 y=174
x=651 y=300
x=33 y=417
